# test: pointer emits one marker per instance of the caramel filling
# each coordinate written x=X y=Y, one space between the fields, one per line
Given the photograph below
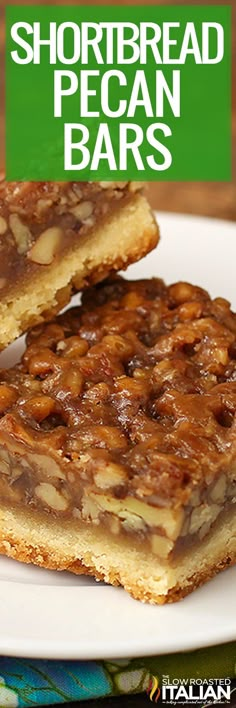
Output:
x=40 y=481
x=40 y=221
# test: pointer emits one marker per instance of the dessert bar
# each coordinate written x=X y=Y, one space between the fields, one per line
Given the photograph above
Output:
x=57 y=237
x=117 y=440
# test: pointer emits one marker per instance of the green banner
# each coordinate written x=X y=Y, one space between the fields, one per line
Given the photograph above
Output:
x=117 y=93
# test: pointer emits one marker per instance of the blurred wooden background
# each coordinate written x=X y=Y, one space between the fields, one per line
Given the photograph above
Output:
x=212 y=199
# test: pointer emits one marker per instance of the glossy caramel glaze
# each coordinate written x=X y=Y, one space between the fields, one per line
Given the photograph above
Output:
x=141 y=375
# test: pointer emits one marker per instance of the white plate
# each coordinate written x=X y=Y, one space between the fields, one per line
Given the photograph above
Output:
x=56 y=615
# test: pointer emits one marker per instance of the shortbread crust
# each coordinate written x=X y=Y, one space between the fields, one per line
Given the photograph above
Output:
x=82 y=549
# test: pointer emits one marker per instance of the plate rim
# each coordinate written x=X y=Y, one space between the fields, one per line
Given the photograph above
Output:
x=49 y=649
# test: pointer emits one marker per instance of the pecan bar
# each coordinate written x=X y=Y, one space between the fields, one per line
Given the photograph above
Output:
x=56 y=237
x=118 y=442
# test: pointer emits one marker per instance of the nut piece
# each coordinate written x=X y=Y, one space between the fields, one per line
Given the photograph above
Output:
x=135 y=186
x=132 y=522
x=111 y=475
x=204 y=530
x=4 y=468
x=112 y=185
x=90 y=510
x=72 y=382
x=203 y=514
x=76 y=513
x=4 y=455
x=46 y=465
x=49 y=495
x=195 y=498
x=171 y=521
x=161 y=545
x=43 y=205
x=73 y=347
x=77 y=189
x=8 y=397
x=185 y=527
x=21 y=233
x=46 y=246
x=82 y=211
x=3 y=225
x=16 y=472
x=39 y=407
x=217 y=493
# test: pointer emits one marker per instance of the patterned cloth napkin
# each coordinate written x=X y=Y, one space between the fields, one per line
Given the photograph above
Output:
x=28 y=682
